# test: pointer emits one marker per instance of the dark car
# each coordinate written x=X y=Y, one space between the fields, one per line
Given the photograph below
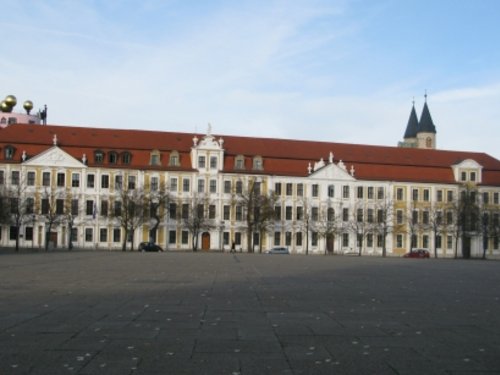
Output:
x=278 y=250
x=417 y=253
x=149 y=246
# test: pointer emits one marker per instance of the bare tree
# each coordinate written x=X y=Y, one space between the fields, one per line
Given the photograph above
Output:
x=328 y=226
x=436 y=224
x=195 y=217
x=305 y=224
x=360 y=225
x=385 y=221
x=129 y=211
x=52 y=210
x=158 y=203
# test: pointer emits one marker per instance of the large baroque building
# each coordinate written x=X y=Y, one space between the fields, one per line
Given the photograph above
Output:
x=326 y=196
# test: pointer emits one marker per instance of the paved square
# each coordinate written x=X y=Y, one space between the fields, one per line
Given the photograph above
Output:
x=196 y=313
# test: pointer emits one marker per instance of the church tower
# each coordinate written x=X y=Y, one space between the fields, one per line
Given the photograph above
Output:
x=420 y=134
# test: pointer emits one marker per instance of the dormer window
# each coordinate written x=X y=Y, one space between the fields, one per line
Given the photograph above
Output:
x=467 y=171
x=98 y=157
x=473 y=176
x=257 y=163
x=174 y=160
x=155 y=157
x=239 y=162
x=9 y=152
x=112 y=157
x=126 y=157
x=201 y=162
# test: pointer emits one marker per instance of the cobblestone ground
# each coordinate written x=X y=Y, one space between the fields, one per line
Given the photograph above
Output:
x=197 y=313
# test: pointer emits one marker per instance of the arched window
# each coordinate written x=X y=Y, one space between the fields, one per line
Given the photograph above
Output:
x=428 y=142
x=98 y=157
x=155 y=157
x=174 y=159
x=258 y=164
x=112 y=157
x=239 y=162
x=126 y=157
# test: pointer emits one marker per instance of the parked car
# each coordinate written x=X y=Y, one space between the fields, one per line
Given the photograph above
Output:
x=149 y=246
x=417 y=253
x=278 y=250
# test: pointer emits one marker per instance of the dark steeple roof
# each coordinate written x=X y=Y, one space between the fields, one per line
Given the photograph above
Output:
x=426 y=125
x=412 y=127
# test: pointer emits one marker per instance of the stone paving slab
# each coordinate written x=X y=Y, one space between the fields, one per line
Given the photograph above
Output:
x=100 y=312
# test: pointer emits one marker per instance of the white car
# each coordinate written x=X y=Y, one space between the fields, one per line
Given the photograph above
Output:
x=278 y=250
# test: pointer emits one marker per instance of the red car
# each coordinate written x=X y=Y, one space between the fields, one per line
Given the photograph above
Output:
x=417 y=253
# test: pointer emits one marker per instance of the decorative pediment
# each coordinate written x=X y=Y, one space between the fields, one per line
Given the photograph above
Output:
x=333 y=171
x=468 y=168
x=208 y=142
x=54 y=157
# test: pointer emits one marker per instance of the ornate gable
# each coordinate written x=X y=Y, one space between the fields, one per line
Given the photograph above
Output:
x=331 y=170
x=54 y=157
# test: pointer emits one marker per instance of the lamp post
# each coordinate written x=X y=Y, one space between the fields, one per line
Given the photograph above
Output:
x=33 y=217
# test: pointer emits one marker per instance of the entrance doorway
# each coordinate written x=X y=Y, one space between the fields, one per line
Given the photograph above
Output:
x=329 y=243
x=205 y=241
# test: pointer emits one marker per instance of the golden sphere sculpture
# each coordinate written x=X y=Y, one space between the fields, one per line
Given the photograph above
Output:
x=11 y=100
x=4 y=107
x=28 y=106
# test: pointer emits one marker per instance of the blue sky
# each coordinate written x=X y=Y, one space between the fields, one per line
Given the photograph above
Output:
x=337 y=70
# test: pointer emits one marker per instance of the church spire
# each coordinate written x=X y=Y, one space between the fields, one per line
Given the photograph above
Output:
x=426 y=124
x=412 y=127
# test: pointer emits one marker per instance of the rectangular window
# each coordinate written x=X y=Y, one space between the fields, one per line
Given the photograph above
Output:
x=369 y=240
x=61 y=180
x=213 y=162
x=211 y=211
x=201 y=186
x=415 y=195
x=289 y=189
x=370 y=192
x=184 y=237
x=185 y=185
x=449 y=217
x=15 y=178
x=75 y=180
x=300 y=213
x=345 y=239
x=103 y=235
x=45 y=206
x=380 y=240
x=173 y=184
x=399 y=241
x=331 y=191
x=131 y=182
x=90 y=181
x=277 y=238
x=277 y=212
x=380 y=193
x=237 y=238
x=439 y=242
x=2 y=177
x=104 y=208
x=226 y=238
x=277 y=188
x=288 y=239
x=213 y=186
x=117 y=234
x=13 y=233
x=473 y=176
x=172 y=237
x=345 y=191
x=30 y=205
x=227 y=212
x=60 y=206
x=31 y=178
x=425 y=217
x=227 y=187
x=155 y=183
x=74 y=207
x=449 y=196
x=300 y=190
x=315 y=190
x=118 y=181
x=439 y=195
x=345 y=214
x=359 y=215
x=360 y=192
x=298 y=238
x=118 y=208
x=314 y=238
x=399 y=194
x=380 y=216
x=89 y=207
x=425 y=241
x=370 y=215
x=105 y=181
x=315 y=214
x=463 y=176
x=89 y=235
x=28 y=233
x=427 y=195
x=46 y=178
x=172 y=211
x=486 y=198
x=288 y=213
x=399 y=217
x=239 y=213
x=239 y=187
x=449 y=242
x=201 y=162
x=185 y=211
x=414 y=217
x=495 y=198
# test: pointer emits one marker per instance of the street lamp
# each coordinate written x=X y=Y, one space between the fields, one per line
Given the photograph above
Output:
x=33 y=217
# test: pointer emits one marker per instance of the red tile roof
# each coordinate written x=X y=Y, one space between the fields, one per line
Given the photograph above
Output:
x=280 y=156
